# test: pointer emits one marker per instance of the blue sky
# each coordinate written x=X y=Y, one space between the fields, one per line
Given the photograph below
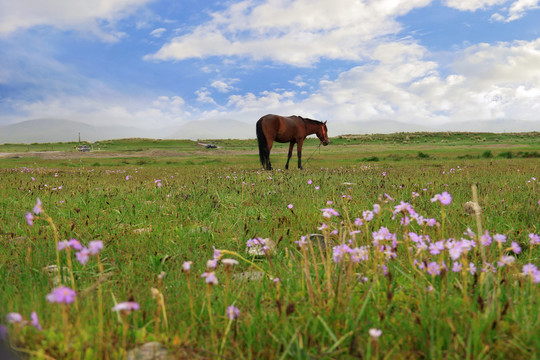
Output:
x=160 y=64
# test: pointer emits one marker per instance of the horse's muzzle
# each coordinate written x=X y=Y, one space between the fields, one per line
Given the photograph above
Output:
x=325 y=142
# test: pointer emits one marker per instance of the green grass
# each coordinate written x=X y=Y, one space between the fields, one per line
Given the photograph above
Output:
x=319 y=308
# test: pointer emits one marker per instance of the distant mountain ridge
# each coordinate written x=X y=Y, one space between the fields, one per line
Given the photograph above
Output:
x=60 y=130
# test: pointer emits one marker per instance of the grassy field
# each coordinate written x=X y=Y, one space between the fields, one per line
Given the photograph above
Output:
x=399 y=270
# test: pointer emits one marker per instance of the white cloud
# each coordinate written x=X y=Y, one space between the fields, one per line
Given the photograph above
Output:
x=66 y=15
x=224 y=86
x=158 y=32
x=472 y=5
x=517 y=10
x=203 y=96
x=298 y=81
x=292 y=32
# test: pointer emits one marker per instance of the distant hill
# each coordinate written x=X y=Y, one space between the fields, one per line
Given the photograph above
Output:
x=215 y=129
x=59 y=130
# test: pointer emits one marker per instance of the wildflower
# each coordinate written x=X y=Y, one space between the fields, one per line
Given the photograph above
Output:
x=317 y=187
x=127 y=177
x=290 y=206
x=472 y=268
x=75 y=244
x=499 y=238
x=515 y=247
x=376 y=208
x=430 y=222
x=415 y=194
x=529 y=269
x=433 y=268
x=232 y=312
x=322 y=227
x=375 y=333
x=329 y=202
x=186 y=266
x=302 y=241
x=229 y=262
x=436 y=248
x=506 y=260
x=358 y=222
x=14 y=318
x=359 y=254
x=126 y=307
x=29 y=218
x=210 y=278
x=535 y=239
x=276 y=280
x=329 y=212
x=35 y=320
x=470 y=233
x=61 y=295
x=94 y=247
x=211 y=264
x=444 y=198
x=38 y=209
x=309 y=182
x=339 y=252
x=217 y=253
x=456 y=267
x=488 y=267
x=367 y=215
x=82 y=256
x=485 y=239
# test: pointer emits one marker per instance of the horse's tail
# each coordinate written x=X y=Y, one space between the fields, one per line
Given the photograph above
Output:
x=264 y=154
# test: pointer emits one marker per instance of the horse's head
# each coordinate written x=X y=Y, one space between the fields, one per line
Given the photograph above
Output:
x=322 y=134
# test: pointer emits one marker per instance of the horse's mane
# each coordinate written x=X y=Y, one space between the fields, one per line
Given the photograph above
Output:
x=310 y=120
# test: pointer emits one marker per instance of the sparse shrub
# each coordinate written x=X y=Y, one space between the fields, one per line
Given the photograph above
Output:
x=506 y=155
x=372 y=158
x=422 y=155
x=487 y=154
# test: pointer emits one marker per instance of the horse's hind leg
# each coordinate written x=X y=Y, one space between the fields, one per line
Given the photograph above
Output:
x=268 y=163
x=291 y=146
x=299 y=149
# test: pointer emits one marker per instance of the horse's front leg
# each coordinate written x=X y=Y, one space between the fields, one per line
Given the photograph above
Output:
x=299 y=149
x=291 y=146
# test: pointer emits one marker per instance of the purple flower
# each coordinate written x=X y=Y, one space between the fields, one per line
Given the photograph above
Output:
x=29 y=218
x=433 y=268
x=485 y=239
x=506 y=260
x=75 y=244
x=210 y=278
x=339 y=252
x=444 y=198
x=211 y=264
x=14 y=318
x=126 y=307
x=472 y=268
x=436 y=248
x=232 y=312
x=186 y=266
x=456 y=267
x=309 y=182
x=359 y=254
x=82 y=256
x=529 y=269
x=535 y=239
x=375 y=333
x=329 y=212
x=499 y=238
x=290 y=206
x=302 y=241
x=35 y=320
x=515 y=247
x=62 y=295
x=376 y=208
x=94 y=247
x=38 y=209
x=367 y=215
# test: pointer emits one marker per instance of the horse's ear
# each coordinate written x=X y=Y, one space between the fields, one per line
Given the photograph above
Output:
x=324 y=123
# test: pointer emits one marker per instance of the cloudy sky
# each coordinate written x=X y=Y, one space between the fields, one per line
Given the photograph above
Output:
x=162 y=63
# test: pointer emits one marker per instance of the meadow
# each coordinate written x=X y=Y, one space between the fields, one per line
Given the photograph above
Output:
x=402 y=246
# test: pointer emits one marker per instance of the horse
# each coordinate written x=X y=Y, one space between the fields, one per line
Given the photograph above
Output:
x=293 y=129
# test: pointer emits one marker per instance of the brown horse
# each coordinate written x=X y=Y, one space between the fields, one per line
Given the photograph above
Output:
x=293 y=129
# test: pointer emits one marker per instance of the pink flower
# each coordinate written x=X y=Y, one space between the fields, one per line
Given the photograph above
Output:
x=126 y=307
x=232 y=312
x=375 y=333
x=75 y=244
x=535 y=239
x=186 y=266
x=290 y=206
x=210 y=278
x=35 y=320
x=94 y=247
x=499 y=238
x=329 y=212
x=82 y=256
x=515 y=247
x=444 y=198
x=14 y=318
x=62 y=295
x=29 y=218
x=38 y=209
